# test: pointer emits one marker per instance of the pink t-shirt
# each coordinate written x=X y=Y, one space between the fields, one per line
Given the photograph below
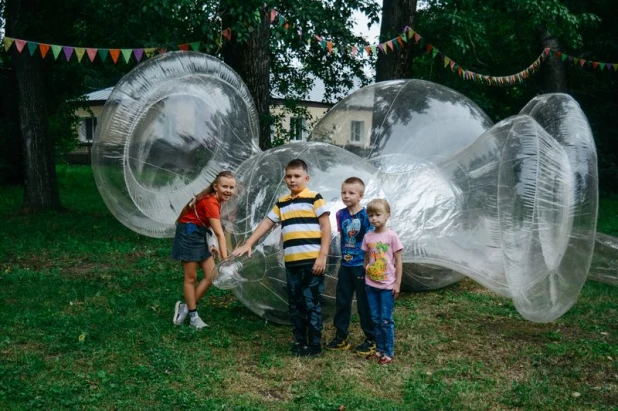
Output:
x=381 y=248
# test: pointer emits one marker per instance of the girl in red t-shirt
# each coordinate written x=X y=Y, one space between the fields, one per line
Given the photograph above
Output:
x=198 y=219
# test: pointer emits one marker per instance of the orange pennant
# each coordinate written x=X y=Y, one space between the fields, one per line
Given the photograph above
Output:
x=44 y=49
x=227 y=33
x=115 y=53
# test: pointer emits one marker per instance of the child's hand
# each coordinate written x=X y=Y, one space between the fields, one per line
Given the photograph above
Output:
x=396 y=289
x=215 y=253
x=319 y=266
x=243 y=249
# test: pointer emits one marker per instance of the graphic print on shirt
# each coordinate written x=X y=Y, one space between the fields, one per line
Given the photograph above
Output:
x=376 y=269
x=351 y=228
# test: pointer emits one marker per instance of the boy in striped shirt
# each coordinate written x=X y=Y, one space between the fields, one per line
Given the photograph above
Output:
x=305 y=231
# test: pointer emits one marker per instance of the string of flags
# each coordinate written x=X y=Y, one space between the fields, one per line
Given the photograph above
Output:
x=404 y=39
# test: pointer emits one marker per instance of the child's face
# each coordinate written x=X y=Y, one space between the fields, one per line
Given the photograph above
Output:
x=224 y=188
x=296 y=179
x=351 y=194
x=378 y=218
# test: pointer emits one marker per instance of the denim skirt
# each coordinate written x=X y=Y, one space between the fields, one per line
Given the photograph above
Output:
x=190 y=243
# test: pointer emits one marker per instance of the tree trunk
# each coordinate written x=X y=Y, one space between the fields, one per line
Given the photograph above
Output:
x=11 y=161
x=396 y=64
x=554 y=71
x=40 y=185
x=251 y=60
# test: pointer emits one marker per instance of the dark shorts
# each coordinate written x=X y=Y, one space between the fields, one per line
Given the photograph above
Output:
x=190 y=243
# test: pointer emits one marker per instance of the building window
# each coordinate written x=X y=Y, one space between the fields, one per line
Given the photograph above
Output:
x=87 y=130
x=298 y=129
x=357 y=130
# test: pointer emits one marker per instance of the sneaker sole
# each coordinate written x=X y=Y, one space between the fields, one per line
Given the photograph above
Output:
x=364 y=353
x=176 y=312
x=339 y=348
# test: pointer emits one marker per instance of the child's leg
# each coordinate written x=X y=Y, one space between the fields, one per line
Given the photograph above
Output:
x=313 y=296
x=190 y=273
x=296 y=307
x=387 y=322
x=362 y=304
x=208 y=268
x=373 y=299
x=343 y=302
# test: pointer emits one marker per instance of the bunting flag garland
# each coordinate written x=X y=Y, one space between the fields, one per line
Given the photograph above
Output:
x=358 y=51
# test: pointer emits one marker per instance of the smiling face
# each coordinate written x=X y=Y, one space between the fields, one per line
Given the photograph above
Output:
x=296 y=179
x=351 y=194
x=224 y=188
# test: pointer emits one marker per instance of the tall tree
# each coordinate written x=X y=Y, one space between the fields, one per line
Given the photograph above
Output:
x=396 y=14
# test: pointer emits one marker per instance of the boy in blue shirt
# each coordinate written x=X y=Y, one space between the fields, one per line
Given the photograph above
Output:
x=352 y=223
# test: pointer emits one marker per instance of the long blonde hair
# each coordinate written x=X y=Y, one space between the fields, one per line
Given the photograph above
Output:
x=208 y=190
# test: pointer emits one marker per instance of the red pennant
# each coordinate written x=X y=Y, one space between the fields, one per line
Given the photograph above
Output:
x=44 y=49
x=114 y=53
x=558 y=54
x=400 y=41
x=162 y=51
x=92 y=53
x=227 y=33
x=428 y=48
x=595 y=64
x=184 y=47
x=368 y=50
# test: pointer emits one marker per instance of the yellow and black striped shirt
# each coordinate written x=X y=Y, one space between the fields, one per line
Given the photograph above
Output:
x=300 y=227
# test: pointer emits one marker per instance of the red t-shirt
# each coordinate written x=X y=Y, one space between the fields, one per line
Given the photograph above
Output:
x=207 y=207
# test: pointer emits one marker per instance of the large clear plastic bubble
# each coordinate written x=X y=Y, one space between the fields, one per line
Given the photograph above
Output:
x=512 y=206
x=167 y=129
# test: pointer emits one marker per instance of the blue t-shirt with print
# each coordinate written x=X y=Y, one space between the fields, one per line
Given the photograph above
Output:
x=352 y=229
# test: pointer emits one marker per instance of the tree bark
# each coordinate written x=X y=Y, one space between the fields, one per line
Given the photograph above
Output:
x=11 y=163
x=396 y=64
x=554 y=71
x=251 y=60
x=40 y=184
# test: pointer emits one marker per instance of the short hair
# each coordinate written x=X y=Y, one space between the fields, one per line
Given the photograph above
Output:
x=355 y=180
x=377 y=205
x=297 y=163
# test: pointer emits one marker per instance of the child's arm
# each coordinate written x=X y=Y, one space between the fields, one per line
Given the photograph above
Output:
x=261 y=229
x=216 y=226
x=320 y=263
x=398 y=273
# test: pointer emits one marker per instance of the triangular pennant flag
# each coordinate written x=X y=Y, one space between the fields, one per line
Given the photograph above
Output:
x=399 y=41
x=360 y=51
x=195 y=46
x=8 y=42
x=150 y=52
x=227 y=33
x=434 y=52
x=575 y=60
x=126 y=54
x=373 y=50
x=79 y=52
x=162 y=50
x=138 y=53
x=416 y=37
x=558 y=54
x=595 y=64
x=582 y=62
x=56 y=51
x=184 y=47
x=615 y=65
x=390 y=44
x=354 y=50
x=103 y=54
x=32 y=46
x=368 y=50
x=68 y=52
x=570 y=59
x=44 y=49
x=428 y=48
x=335 y=51
x=411 y=34
x=404 y=37
x=323 y=44
x=92 y=53
x=115 y=53
x=446 y=61
x=382 y=48
x=273 y=15
x=286 y=25
x=608 y=66
x=329 y=46
x=281 y=20
x=20 y=44
x=563 y=57
x=452 y=64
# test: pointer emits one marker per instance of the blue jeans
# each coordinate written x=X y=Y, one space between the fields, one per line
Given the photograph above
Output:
x=304 y=303
x=350 y=280
x=382 y=305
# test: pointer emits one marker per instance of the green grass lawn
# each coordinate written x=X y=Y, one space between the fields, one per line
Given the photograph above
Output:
x=85 y=322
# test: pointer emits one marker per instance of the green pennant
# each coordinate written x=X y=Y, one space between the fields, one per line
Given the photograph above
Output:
x=281 y=20
x=404 y=37
x=396 y=45
x=563 y=57
x=434 y=52
x=56 y=51
x=32 y=46
x=103 y=54
x=126 y=54
x=195 y=46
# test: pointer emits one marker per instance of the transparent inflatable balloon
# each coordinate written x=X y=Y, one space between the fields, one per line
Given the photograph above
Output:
x=512 y=206
x=167 y=129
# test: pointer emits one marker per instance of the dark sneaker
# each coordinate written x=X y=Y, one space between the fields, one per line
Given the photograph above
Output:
x=297 y=348
x=338 y=343
x=366 y=348
x=311 y=350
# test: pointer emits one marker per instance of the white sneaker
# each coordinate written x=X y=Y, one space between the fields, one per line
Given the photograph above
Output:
x=180 y=313
x=197 y=323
